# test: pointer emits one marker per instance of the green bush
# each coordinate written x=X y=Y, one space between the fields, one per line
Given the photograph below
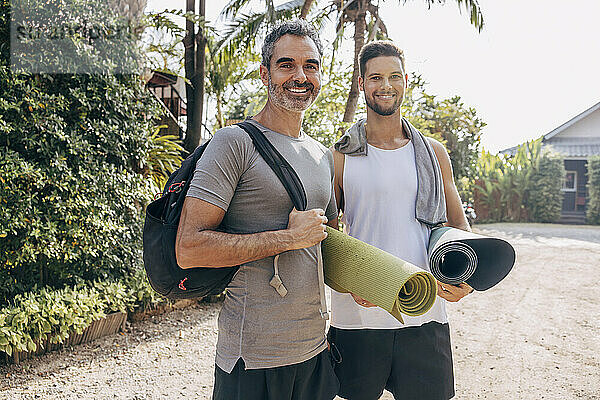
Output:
x=503 y=183
x=545 y=197
x=73 y=149
x=593 y=210
x=32 y=317
x=522 y=187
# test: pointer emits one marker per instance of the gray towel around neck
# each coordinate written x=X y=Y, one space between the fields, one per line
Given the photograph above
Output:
x=430 y=203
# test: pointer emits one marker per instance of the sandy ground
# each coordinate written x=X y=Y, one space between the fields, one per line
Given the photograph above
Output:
x=534 y=336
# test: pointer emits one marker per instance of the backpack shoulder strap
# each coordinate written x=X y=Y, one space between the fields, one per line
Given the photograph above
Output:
x=278 y=164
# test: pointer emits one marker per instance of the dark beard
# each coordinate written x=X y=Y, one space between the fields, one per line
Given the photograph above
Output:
x=384 y=111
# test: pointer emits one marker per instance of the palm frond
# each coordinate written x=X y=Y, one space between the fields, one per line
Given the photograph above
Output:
x=240 y=35
x=472 y=7
x=270 y=12
x=292 y=5
x=474 y=10
x=322 y=16
x=164 y=156
x=232 y=8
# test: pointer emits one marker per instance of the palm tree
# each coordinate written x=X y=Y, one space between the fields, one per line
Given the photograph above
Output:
x=224 y=71
x=355 y=12
x=244 y=27
x=363 y=14
x=194 y=55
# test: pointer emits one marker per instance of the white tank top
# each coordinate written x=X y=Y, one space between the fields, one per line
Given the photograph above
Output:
x=379 y=208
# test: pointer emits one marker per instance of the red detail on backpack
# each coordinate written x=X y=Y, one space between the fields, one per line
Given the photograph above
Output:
x=181 y=284
x=176 y=187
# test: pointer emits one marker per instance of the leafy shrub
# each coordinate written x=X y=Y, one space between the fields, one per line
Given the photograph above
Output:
x=164 y=157
x=72 y=152
x=593 y=211
x=71 y=148
x=545 y=196
x=141 y=293
x=32 y=317
x=522 y=187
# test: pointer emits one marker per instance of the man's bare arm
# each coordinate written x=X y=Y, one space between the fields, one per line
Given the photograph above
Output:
x=456 y=217
x=199 y=245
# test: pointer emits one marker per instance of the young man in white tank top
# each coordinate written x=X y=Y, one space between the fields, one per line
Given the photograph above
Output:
x=377 y=194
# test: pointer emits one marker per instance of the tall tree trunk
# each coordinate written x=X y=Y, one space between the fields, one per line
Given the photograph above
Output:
x=190 y=67
x=360 y=26
x=220 y=121
x=194 y=135
x=306 y=8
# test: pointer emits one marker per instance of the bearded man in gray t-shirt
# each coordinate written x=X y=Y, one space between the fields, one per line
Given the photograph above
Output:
x=272 y=325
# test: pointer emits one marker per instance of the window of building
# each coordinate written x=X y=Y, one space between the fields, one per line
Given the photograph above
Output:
x=570 y=181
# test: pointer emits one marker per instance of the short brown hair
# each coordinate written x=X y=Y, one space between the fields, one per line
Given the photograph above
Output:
x=379 y=48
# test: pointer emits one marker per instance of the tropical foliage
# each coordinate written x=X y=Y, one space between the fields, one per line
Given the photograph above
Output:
x=164 y=157
x=522 y=187
x=226 y=75
x=72 y=151
x=364 y=17
x=54 y=314
x=593 y=210
x=245 y=27
x=448 y=120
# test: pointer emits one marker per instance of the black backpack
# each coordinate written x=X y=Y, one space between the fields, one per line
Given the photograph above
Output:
x=162 y=221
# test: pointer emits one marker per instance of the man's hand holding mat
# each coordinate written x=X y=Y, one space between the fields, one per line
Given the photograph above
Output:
x=376 y=276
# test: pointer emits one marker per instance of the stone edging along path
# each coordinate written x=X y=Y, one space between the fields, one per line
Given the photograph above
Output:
x=113 y=323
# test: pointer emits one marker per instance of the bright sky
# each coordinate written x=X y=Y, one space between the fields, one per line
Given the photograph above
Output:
x=535 y=65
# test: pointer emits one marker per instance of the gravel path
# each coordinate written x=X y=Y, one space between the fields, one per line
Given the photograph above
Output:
x=534 y=336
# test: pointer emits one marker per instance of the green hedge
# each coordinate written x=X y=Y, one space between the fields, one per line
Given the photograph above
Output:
x=593 y=210
x=523 y=187
x=54 y=314
x=545 y=196
x=73 y=152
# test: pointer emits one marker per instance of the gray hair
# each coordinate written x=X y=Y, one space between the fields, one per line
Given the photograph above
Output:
x=299 y=27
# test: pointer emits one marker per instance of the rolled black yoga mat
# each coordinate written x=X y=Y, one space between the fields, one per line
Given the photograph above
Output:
x=457 y=256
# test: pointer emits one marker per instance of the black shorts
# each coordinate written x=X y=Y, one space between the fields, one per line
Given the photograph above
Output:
x=413 y=363
x=313 y=379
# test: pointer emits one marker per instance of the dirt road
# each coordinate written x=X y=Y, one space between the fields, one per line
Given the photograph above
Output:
x=534 y=336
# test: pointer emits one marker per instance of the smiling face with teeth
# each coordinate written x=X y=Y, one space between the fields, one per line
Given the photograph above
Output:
x=384 y=83
x=294 y=76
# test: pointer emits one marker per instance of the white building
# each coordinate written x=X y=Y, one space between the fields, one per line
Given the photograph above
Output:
x=576 y=140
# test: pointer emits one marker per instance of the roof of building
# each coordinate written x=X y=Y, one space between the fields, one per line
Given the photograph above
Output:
x=572 y=121
x=511 y=151
x=574 y=146
x=568 y=146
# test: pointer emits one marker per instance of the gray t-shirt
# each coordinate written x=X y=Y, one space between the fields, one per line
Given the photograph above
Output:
x=256 y=323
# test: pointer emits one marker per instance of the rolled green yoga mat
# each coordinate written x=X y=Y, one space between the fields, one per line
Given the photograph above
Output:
x=457 y=256
x=377 y=276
